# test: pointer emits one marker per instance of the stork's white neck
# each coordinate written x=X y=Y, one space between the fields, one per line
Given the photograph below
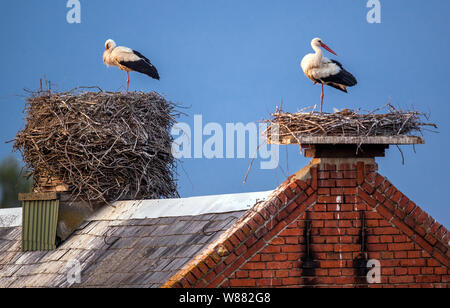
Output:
x=107 y=57
x=319 y=52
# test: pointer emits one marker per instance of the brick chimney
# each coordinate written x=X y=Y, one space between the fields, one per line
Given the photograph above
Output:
x=336 y=222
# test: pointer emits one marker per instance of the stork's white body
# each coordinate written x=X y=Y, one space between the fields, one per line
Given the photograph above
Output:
x=316 y=66
x=113 y=56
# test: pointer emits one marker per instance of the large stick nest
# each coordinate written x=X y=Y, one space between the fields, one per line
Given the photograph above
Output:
x=347 y=122
x=104 y=146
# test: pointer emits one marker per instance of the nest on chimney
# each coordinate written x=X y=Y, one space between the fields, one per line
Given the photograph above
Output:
x=346 y=123
x=104 y=146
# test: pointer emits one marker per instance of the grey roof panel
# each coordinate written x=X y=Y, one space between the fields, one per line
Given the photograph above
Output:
x=113 y=253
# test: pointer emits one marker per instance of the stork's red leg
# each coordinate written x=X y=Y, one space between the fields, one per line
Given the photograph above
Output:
x=321 y=100
x=128 y=80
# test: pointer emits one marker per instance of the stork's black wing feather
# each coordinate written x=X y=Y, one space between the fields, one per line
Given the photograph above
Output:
x=143 y=65
x=337 y=62
x=342 y=78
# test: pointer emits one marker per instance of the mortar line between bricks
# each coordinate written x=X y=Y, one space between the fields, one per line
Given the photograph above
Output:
x=262 y=237
x=412 y=237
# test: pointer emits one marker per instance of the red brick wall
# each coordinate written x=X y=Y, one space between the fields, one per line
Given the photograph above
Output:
x=268 y=247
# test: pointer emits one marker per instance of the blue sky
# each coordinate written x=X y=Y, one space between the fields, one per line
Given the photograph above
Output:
x=233 y=61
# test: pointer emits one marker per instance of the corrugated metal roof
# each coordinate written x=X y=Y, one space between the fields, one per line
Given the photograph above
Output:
x=130 y=245
x=140 y=209
x=198 y=205
x=10 y=217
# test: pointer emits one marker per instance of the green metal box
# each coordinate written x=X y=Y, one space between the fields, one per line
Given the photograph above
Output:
x=39 y=221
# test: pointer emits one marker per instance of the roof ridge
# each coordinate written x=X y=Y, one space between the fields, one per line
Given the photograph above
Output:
x=251 y=233
x=264 y=221
x=394 y=206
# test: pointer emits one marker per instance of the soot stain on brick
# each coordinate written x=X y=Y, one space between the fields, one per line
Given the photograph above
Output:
x=360 y=262
x=308 y=263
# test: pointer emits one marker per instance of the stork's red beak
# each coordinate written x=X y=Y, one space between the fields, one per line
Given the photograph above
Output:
x=328 y=48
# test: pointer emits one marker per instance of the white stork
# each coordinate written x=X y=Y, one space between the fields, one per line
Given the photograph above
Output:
x=325 y=71
x=128 y=60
